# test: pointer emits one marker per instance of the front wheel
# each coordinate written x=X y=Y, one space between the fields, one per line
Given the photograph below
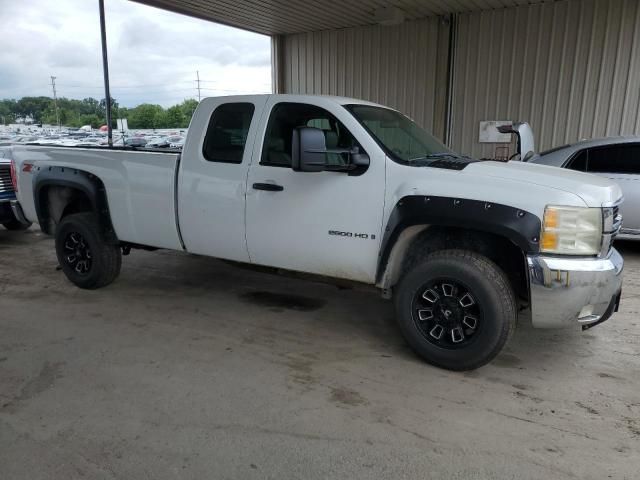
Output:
x=456 y=309
x=86 y=259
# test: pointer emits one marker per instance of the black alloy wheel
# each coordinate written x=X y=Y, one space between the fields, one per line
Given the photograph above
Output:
x=456 y=308
x=77 y=253
x=447 y=313
x=86 y=258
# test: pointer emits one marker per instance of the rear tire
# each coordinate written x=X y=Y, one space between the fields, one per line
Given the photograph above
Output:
x=15 y=225
x=456 y=309
x=86 y=259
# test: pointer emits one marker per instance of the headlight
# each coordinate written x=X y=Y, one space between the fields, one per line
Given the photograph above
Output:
x=571 y=230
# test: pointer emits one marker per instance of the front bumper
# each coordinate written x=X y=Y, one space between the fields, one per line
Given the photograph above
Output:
x=568 y=291
x=18 y=213
x=5 y=210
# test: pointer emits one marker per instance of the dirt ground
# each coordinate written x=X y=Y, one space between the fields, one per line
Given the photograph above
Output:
x=188 y=367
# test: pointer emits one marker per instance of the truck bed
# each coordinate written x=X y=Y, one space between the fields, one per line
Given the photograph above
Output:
x=140 y=187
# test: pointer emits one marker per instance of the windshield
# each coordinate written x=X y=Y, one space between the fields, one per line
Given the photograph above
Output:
x=398 y=135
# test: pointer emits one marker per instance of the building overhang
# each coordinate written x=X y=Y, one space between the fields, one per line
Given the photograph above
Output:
x=277 y=17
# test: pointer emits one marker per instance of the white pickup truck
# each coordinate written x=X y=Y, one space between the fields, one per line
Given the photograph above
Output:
x=347 y=189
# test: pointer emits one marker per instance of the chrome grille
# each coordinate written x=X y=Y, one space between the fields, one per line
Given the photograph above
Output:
x=5 y=179
x=616 y=222
x=611 y=225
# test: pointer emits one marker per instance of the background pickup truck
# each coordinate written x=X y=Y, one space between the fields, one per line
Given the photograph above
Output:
x=8 y=195
x=346 y=189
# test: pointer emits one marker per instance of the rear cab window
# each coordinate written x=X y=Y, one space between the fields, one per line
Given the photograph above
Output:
x=227 y=132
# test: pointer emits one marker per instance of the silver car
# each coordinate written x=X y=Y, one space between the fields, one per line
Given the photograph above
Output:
x=617 y=158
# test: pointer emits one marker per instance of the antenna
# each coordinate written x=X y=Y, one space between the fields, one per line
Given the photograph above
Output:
x=55 y=100
x=198 y=80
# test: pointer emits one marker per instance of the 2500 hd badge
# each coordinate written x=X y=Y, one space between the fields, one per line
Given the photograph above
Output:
x=363 y=236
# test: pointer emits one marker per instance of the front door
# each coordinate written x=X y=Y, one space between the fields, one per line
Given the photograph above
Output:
x=326 y=223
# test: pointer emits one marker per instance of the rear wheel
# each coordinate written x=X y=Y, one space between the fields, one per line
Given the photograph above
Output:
x=456 y=309
x=85 y=258
x=15 y=225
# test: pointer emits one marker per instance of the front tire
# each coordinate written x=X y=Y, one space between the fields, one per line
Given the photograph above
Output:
x=86 y=259
x=456 y=309
x=15 y=225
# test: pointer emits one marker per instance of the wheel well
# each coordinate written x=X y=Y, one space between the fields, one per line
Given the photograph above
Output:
x=58 y=202
x=419 y=241
x=63 y=192
x=80 y=203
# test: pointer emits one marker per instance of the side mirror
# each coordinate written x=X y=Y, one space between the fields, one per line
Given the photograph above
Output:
x=308 y=150
x=309 y=153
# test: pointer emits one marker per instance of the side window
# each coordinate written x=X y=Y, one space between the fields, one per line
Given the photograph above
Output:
x=579 y=162
x=227 y=132
x=285 y=117
x=615 y=159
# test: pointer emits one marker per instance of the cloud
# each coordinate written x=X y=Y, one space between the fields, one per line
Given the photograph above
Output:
x=153 y=54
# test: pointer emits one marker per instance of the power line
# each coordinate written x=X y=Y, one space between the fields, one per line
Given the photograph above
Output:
x=128 y=86
x=216 y=81
x=157 y=85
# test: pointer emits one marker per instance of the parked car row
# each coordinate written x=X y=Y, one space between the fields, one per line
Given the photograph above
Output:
x=138 y=139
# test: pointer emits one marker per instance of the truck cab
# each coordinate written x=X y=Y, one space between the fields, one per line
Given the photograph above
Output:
x=351 y=190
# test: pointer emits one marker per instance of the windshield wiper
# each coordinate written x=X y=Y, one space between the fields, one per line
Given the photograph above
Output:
x=433 y=156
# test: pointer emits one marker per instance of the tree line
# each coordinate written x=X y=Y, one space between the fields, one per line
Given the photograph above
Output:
x=90 y=111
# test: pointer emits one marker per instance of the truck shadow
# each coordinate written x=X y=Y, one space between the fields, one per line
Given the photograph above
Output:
x=311 y=312
x=10 y=238
x=628 y=247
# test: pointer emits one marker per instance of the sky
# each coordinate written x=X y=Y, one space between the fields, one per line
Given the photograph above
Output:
x=153 y=54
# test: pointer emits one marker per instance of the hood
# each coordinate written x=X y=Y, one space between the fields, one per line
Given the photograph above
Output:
x=593 y=190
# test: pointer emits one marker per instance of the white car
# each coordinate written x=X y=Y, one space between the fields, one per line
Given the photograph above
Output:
x=346 y=189
x=176 y=142
x=615 y=158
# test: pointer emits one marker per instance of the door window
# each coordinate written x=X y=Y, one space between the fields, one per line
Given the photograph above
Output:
x=285 y=117
x=227 y=132
x=579 y=162
x=614 y=159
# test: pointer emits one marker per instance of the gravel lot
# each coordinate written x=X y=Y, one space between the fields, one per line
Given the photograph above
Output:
x=188 y=367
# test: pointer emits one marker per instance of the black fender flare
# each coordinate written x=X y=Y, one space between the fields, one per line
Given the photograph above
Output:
x=519 y=226
x=85 y=182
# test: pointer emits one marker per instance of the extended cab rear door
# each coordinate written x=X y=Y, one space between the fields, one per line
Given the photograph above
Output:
x=213 y=174
x=326 y=223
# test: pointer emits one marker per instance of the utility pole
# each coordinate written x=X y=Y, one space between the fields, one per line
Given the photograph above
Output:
x=55 y=100
x=198 y=80
x=105 y=71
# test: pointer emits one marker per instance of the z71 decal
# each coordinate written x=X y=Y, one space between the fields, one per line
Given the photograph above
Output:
x=363 y=236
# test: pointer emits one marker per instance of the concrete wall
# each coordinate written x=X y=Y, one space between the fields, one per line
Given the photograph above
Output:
x=571 y=68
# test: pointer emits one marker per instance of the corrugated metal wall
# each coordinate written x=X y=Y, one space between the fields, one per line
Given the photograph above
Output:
x=401 y=66
x=569 y=68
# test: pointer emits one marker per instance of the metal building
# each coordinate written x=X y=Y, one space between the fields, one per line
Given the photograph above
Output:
x=571 y=68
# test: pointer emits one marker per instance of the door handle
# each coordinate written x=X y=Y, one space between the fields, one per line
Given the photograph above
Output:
x=269 y=187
